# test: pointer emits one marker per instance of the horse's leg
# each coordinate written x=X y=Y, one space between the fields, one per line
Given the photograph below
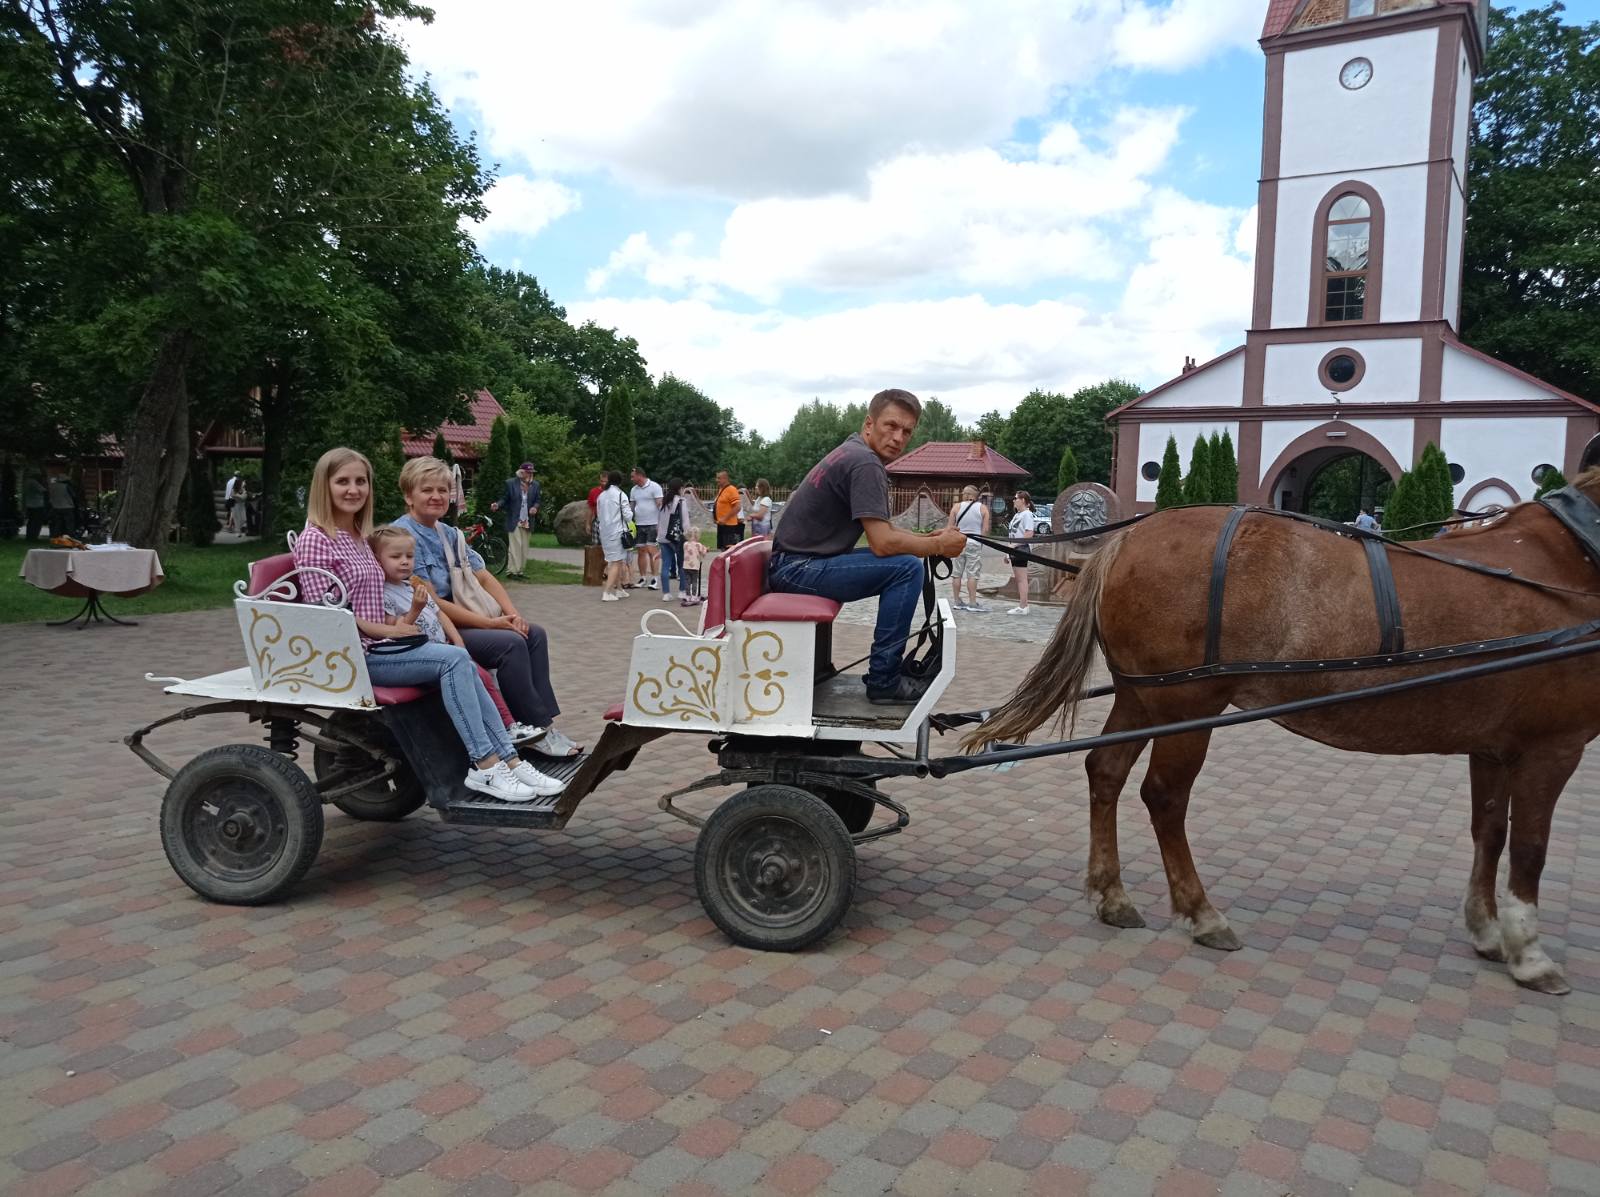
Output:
x=1108 y=770
x=1491 y=803
x=1174 y=764
x=1536 y=782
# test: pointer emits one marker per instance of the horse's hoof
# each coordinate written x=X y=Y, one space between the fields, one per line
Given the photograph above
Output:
x=1493 y=952
x=1222 y=938
x=1549 y=981
x=1121 y=914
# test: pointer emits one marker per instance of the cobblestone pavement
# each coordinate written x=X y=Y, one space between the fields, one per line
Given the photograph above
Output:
x=448 y=1010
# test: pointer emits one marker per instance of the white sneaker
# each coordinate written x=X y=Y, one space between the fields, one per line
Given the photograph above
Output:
x=521 y=733
x=544 y=787
x=666 y=596
x=1017 y=611
x=500 y=782
x=610 y=598
x=653 y=583
x=978 y=607
x=622 y=594
x=558 y=743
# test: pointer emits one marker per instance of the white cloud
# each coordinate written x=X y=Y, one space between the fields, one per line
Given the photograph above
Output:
x=751 y=99
x=518 y=204
x=974 y=217
x=1190 y=295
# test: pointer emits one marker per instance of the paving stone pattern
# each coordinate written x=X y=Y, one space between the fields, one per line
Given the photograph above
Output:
x=448 y=1010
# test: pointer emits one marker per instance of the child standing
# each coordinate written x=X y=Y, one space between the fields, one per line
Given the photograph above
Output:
x=408 y=599
x=694 y=555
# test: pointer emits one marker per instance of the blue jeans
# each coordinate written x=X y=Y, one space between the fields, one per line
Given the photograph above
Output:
x=858 y=574
x=468 y=703
x=669 y=562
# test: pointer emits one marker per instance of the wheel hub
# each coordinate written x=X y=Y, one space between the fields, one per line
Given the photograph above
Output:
x=776 y=871
x=238 y=831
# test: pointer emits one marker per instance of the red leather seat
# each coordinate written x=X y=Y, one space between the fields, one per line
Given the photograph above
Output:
x=389 y=696
x=614 y=713
x=268 y=570
x=737 y=589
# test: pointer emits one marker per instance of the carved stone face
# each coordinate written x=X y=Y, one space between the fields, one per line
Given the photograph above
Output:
x=1085 y=510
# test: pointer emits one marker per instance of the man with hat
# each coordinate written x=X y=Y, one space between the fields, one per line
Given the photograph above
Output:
x=519 y=503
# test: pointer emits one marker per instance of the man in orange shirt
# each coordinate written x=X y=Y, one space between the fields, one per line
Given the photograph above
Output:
x=730 y=531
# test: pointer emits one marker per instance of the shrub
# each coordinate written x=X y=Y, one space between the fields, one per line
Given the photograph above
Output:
x=1169 y=489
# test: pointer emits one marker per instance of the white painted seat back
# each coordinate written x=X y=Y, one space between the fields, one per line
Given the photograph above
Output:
x=308 y=653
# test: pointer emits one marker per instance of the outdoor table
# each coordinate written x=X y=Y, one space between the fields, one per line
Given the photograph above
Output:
x=89 y=573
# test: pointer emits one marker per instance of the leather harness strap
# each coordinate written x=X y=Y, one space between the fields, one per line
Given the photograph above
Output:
x=1219 y=583
x=1391 y=634
x=1579 y=515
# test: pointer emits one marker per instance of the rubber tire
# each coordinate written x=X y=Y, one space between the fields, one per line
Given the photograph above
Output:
x=495 y=552
x=824 y=830
x=282 y=782
x=854 y=811
x=386 y=802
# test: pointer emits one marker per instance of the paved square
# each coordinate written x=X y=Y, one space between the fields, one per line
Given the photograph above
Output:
x=461 y=1010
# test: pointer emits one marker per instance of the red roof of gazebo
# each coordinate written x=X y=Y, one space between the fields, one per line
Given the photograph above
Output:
x=461 y=439
x=956 y=459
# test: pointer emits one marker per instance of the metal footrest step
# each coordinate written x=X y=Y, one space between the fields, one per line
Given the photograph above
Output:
x=485 y=811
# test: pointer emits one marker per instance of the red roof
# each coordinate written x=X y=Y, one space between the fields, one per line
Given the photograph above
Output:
x=957 y=459
x=461 y=439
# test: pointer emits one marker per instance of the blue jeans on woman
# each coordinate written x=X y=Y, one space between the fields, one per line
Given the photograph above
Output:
x=859 y=574
x=467 y=702
x=669 y=562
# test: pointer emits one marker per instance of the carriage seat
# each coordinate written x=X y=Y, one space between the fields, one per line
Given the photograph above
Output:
x=737 y=589
x=268 y=570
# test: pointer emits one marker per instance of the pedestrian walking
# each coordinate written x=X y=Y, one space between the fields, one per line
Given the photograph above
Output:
x=970 y=517
x=730 y=530
x=646 y=498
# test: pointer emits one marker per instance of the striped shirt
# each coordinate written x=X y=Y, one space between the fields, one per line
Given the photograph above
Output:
x=350 y=559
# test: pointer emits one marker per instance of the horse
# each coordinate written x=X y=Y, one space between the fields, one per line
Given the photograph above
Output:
x=1295 y=591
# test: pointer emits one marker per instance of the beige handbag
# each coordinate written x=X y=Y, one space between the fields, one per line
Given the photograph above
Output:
x=464 y=585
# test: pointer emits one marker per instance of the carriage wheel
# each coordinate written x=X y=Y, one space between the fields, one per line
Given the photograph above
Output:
x=775 y=868
x=854 y=810
x=382 y=801
x=241 y=824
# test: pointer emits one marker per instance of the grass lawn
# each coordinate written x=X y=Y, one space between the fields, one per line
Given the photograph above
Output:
x=196 y=579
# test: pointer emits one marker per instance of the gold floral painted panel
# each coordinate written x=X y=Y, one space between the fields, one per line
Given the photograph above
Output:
x=293 y=660
x=685 y=690
x=764 y=694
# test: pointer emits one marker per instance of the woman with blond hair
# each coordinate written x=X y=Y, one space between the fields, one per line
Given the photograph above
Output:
x=338 y=523
x=518 y=651
x=970 y=517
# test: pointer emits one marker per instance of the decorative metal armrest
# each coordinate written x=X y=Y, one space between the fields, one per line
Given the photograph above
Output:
x=283 y=590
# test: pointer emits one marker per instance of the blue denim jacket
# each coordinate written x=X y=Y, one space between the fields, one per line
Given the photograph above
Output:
x=431 y=565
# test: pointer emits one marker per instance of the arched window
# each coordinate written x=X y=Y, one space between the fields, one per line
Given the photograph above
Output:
x=1347 y=256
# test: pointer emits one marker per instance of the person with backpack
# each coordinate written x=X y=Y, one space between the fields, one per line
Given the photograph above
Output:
x=970 y=517
x=673 y=530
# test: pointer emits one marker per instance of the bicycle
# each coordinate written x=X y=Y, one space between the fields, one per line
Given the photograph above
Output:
x=488 y=543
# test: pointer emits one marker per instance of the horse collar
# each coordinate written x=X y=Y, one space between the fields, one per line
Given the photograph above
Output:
x=1579 y=514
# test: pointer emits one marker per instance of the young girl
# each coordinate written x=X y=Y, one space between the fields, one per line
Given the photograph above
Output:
x=407 y=598
x=1021 y=528
x=694 y=554
x=338 y=522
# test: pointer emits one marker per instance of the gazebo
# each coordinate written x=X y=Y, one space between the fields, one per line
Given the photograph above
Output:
x=944 y=467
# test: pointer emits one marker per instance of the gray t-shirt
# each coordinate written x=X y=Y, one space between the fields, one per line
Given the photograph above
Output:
x=824 y=514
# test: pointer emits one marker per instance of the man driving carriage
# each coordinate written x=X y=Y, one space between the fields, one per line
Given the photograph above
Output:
x=846 y=496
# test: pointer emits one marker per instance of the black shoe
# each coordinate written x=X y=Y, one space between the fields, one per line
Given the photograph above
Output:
x=905 y=690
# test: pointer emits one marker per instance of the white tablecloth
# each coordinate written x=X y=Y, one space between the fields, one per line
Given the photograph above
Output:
x=78 y=572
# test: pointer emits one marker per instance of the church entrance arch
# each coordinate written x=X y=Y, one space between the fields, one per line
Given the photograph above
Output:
x=1332 y=471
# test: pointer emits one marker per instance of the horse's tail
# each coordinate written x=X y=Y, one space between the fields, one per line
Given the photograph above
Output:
x=1055 y=682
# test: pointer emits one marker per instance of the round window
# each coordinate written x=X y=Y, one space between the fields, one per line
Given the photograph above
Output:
x=1341 y=369
x=1150 y=471
x=1456 y=473
x=1539 y=471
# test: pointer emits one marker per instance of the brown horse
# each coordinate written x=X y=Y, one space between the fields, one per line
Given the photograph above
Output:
x=1295 y=591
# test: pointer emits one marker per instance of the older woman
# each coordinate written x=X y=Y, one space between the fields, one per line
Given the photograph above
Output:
x=518 y=651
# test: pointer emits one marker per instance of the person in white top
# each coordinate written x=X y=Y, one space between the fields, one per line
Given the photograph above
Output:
x=757 y=508
x=1021 y=529
x=227 y=500
x=613 y=513
x=970 y=517
x=646 y=496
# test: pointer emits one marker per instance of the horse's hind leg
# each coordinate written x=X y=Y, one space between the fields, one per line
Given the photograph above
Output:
x=1536 y=782
x=1491 y=804
x=1108 y=770
x=1174 y=764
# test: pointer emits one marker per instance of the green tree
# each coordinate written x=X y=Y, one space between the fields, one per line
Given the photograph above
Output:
x=1531 y=287
x=1197 y=483
x=1551 y=479
x=201 y=504
x=991 y=429
x=387 y=460
x=493 y=468
x=1402 y=515
x=619 y=447
x=1067 y=471
x=442 y=450
x=1086 y=429
x=1440 y=490
x=681 y=431
x=516 y=449
x=1225 y=471
x=748 y=454
x=937 y=423
x=566 y=472
x=816 y=429
x=1036 y=432
x=1169 y=488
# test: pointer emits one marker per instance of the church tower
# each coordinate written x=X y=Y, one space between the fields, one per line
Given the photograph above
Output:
x=1364 y=161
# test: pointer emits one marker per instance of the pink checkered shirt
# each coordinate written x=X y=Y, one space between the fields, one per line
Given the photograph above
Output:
x=350 y=559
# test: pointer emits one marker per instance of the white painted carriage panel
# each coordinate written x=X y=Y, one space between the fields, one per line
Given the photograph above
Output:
x=1507 y=448
x=1276 y=436
x=1393 y=372
x=1221 y=385
x=1327 y=127
x=1153 y=444
x=773 y=669
x=680 y=683
x=304 y=653
x=1467 y=377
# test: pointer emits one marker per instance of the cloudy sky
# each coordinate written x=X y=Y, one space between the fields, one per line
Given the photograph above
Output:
x=783 y=199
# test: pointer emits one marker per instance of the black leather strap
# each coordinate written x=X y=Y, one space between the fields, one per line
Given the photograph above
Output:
x=1219 y=583
x=1579 y=515
x=1391 y=634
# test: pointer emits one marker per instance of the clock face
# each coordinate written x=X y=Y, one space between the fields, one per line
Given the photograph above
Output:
x=1356 y=73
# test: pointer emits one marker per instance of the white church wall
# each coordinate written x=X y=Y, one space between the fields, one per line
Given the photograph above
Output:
x=1395 y=435
x=1467 y=378
x=1328 y=129
x=1452 y=260
x=1508 y=448
x=1463 y=118
x=1276 y=436
x=1404 y=192
x=1153 y=443
x=1393 y=373
x=1220 y=386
